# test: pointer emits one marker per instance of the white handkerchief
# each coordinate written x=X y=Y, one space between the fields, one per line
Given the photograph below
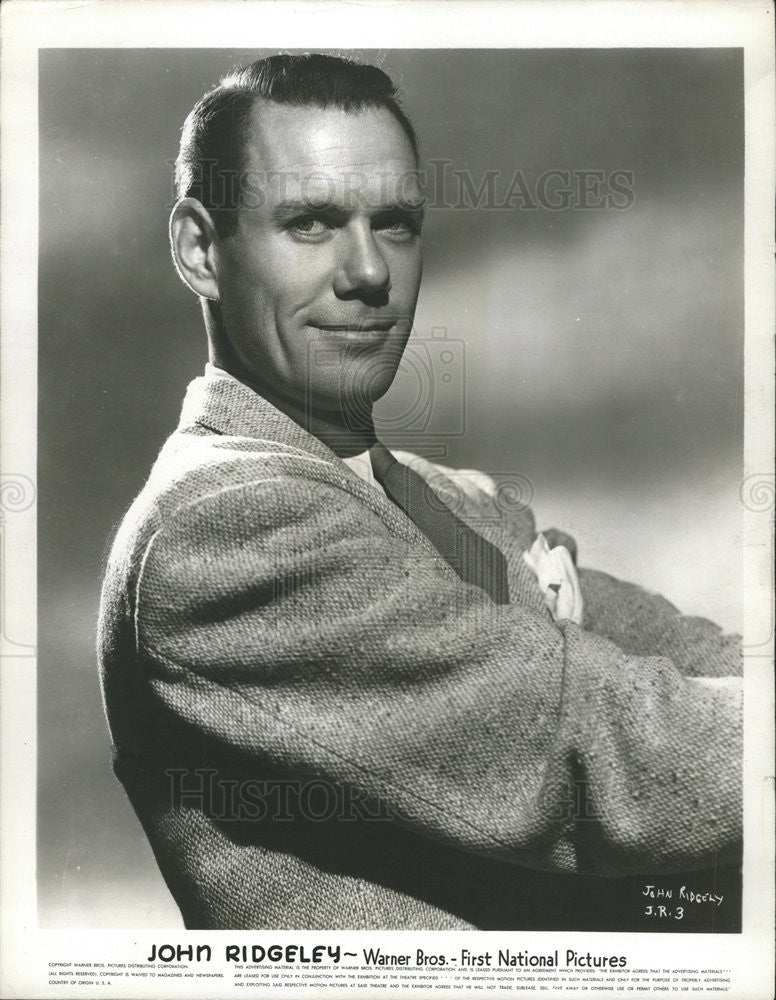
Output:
x=557 y=579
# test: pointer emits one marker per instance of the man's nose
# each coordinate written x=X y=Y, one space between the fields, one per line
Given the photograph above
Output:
x=362 y=270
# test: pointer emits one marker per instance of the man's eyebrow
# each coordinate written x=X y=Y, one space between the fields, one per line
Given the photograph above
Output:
x=289 y=208
x=414 y=206
x=293 y=208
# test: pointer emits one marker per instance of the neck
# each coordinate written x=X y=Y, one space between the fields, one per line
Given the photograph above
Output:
x=335 y=428
x=340 y=429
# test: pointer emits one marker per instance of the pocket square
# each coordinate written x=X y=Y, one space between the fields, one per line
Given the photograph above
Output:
x=557 y=579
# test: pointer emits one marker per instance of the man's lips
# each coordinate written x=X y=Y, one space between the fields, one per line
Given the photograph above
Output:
x=367 y=326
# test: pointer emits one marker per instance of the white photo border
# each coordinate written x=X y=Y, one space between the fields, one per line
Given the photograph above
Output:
x=29 y=26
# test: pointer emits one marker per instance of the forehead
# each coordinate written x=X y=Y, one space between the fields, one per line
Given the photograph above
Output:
x=297 y=148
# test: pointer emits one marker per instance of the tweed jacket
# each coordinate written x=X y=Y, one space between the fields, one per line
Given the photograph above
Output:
x=320 y=725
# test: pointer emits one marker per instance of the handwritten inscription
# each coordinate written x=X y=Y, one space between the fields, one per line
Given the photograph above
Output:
x=676 y=895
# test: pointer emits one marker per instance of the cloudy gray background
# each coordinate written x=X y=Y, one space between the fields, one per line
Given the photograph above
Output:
x=601 y=353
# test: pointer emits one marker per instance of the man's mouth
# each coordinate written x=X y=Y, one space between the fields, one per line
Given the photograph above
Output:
x=366 y=327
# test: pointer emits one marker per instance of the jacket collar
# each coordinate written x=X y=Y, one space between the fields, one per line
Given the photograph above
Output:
x=229 y=407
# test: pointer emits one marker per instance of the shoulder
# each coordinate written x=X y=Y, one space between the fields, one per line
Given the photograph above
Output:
x=199 y=475
x=210 y=491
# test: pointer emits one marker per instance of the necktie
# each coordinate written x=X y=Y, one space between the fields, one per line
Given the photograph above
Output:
x=472 y=557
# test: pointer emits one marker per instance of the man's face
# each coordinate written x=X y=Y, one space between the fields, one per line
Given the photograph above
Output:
x=318 y=284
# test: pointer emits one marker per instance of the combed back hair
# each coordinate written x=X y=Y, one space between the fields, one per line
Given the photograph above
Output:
x=211 y=155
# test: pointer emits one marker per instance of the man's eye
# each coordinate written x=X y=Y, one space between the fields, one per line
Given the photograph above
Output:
x=398 y=228
x=309 y=229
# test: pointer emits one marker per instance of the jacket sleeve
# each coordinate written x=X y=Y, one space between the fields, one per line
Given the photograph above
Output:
x=644 y=623
x=637 y=620
x=288 y=624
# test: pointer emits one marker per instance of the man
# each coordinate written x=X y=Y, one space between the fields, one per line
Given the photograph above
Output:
x=334 y=700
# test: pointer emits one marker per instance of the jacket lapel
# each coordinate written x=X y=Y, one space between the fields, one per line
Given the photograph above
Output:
x=227 y=407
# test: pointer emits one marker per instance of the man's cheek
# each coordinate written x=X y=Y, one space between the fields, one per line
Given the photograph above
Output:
x=405 y=279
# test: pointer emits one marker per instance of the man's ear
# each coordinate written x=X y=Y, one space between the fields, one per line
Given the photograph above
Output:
x=193 y=242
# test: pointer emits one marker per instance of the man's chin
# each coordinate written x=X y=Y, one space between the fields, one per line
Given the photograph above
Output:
x=351 y=409
x=365 y=383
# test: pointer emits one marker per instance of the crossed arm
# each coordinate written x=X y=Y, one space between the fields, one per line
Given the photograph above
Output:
x=294 y=628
